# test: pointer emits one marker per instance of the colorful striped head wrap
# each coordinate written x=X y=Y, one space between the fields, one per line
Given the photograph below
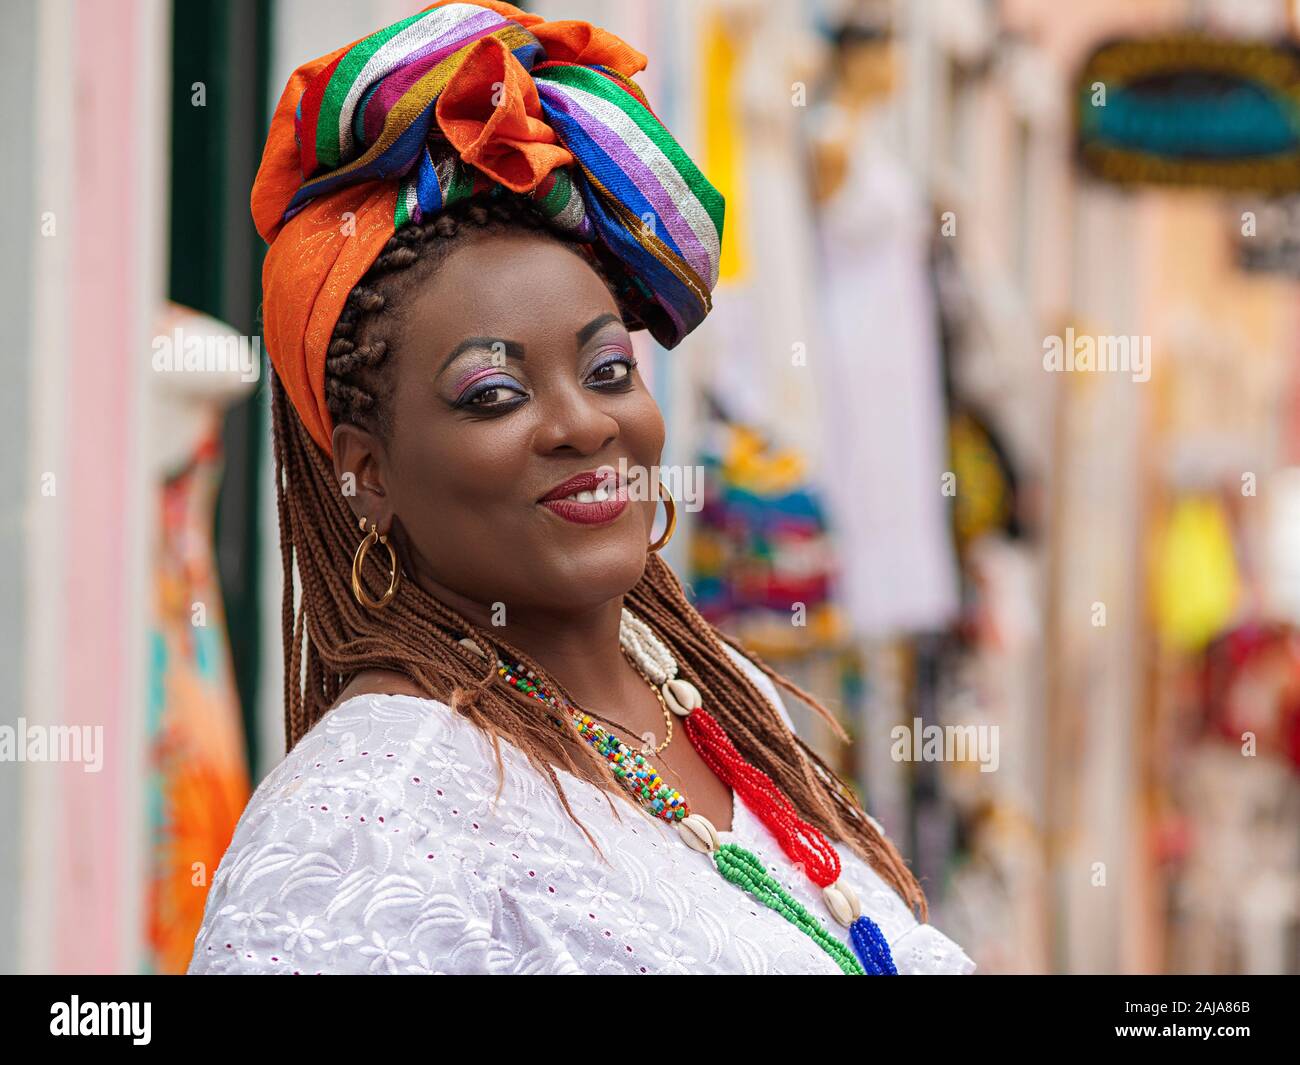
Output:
x=458 y=99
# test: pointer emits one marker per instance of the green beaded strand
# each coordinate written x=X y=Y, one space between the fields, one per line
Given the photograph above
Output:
x=744 y=870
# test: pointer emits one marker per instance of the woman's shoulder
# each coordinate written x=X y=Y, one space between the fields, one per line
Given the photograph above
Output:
x=376 y=846
x=365 y=767
x=365 y=738
x=379 y=682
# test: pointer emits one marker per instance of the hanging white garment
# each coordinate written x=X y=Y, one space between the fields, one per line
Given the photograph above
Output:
x=885 y=437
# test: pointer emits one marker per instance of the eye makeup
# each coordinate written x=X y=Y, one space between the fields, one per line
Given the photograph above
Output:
x=475 y=384
x=473 y=376
x=492 y=388
x=610 y=358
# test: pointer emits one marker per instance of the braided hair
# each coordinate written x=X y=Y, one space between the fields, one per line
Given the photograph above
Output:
x=329 y=637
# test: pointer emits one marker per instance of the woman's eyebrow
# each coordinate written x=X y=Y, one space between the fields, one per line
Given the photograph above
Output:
x=595 y=326
x=512 y=349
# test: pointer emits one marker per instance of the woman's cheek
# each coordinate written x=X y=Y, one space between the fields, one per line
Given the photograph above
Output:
x=647 y=430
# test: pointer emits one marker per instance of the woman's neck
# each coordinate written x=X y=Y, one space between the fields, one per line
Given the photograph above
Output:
x=579 y=649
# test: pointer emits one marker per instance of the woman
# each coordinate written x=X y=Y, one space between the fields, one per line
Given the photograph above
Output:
x=466 y=213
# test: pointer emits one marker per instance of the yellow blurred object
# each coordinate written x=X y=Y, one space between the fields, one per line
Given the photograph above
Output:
x=775 y=638
x=1196 y=583
x=723 y=156
x=706 y=554
x=984 y=502
x=751 y=467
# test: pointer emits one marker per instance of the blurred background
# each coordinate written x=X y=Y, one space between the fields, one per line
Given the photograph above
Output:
x=911 y=506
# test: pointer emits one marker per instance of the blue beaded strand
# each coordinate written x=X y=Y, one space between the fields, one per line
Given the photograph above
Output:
x=872 y=948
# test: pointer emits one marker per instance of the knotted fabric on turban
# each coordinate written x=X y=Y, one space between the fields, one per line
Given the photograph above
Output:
x=452 y=101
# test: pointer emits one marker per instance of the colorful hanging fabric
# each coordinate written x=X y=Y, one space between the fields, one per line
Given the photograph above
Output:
x=760 y=549
x=198 y=782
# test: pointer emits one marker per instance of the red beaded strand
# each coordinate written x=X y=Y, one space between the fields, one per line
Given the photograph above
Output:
x=803 y=843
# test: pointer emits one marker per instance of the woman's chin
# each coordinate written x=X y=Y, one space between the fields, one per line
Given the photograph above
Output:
x=595 y=572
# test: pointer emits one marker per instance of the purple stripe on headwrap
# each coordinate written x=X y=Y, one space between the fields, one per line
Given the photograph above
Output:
x=681 y=237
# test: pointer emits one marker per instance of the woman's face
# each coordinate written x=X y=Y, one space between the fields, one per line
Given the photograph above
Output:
x=512 y=374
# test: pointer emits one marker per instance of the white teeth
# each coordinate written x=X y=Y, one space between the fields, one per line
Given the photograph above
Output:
x=600 y=495
x=604 y=492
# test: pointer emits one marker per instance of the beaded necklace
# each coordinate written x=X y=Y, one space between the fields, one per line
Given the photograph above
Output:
x=802 y=842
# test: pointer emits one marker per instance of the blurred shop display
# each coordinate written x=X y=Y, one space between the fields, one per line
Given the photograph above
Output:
x=1195 y=584
x=987 y=501
x=1250 y=691
x=761 y=560
x=1192 y=110
x=199 y=780
x=1231 y=835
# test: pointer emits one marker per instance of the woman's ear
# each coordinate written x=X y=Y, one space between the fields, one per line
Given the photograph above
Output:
x=359 y=468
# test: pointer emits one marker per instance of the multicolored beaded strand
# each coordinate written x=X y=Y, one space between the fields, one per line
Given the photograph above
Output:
x=637 y=775
x=802 y=842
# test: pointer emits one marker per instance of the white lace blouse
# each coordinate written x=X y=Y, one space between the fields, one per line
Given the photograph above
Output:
x=375 y=847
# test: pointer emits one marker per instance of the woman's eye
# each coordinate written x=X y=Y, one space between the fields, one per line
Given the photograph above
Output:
x=616 y=371
x=493 y=394
x=490 y=396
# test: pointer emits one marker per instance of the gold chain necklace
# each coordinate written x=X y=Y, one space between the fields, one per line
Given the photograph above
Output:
x=668 y=717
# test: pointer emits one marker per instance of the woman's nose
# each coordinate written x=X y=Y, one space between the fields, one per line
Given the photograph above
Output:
x=572 y=420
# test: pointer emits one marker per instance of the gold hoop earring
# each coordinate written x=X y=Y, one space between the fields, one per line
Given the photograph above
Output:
x=670 y=508
x=357 y=590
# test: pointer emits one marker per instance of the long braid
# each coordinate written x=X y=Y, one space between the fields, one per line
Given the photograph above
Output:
x=420 y=637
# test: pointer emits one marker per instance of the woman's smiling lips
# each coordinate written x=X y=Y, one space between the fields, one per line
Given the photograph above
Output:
x=591 y=498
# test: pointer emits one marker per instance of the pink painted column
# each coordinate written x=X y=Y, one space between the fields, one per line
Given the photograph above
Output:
x=103 y=223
